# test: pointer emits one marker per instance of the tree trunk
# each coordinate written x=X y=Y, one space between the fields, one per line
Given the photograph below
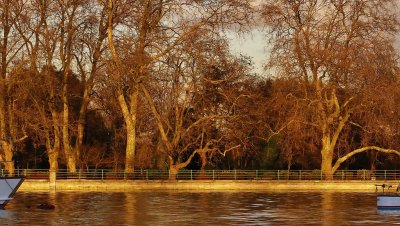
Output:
x=130 y=122
x=79 y=142
x=372 y=159
x=289 y=165
x=71 y=161
x=203 y=158
x=5 y=137
x=128 y=108
x=130 y=149
x=53 y=159
x=82 y=113
x=8 y=154
x=52 y=153
x=173 y=171
x=81 y=123
x=175 y=166
x=69 y=152
x=6 y=144
x=326 y=163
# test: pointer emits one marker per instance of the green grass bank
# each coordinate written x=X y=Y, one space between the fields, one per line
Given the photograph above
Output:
x=201 y=185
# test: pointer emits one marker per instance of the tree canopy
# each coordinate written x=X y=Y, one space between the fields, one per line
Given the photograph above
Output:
x=128 y=84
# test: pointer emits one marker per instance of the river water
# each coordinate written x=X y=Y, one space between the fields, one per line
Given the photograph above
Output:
x=196 y=208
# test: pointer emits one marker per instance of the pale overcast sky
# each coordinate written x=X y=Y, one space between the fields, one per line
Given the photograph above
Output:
x=252 y=44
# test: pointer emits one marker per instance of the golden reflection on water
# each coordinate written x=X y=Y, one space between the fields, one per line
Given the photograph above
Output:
x=130 y=204
x=327 y=208
x=195 y=208
x=51 y=199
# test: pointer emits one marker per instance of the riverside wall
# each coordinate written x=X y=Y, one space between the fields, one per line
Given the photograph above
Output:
x=201 y=185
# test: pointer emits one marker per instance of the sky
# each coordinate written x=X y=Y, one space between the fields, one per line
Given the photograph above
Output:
x=252 y=44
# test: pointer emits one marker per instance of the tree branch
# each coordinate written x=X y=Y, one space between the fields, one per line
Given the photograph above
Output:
x=230 y=149
x=184 y=164
x=347 y=156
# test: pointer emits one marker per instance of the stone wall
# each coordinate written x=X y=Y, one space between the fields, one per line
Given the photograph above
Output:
x=199 y=185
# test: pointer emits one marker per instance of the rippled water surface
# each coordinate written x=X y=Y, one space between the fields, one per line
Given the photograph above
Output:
x=197 y=208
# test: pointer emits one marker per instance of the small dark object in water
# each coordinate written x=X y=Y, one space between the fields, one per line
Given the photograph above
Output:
x=46 y=206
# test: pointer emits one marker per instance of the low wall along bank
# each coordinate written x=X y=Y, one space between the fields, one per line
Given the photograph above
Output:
x=200 y=185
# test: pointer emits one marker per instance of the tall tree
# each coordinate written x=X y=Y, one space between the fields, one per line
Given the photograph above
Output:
x=48 y=30
x=88 y=54
x=64 y=37
x=328 y=47
x=184 y=126
x=156 y=28
x=38 y=27
x=10 y=52
x=143 y=18
x=68 y=12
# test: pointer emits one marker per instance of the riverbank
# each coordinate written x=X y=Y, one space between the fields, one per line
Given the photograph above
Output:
x=201 y=185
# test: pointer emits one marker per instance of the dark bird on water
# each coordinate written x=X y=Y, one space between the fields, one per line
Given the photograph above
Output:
x=46 y=206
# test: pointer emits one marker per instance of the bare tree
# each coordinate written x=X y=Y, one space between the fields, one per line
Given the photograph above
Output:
x=10 y=53
x=329 y=47
x=67 y=13
x=195 y=98
x=38 y=26
x=88 y=54
x=156 y=28
x=64 y=37
x=117 y=13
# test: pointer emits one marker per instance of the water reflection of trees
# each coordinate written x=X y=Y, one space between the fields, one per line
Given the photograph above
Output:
x=327 y=208
x=130 y=209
